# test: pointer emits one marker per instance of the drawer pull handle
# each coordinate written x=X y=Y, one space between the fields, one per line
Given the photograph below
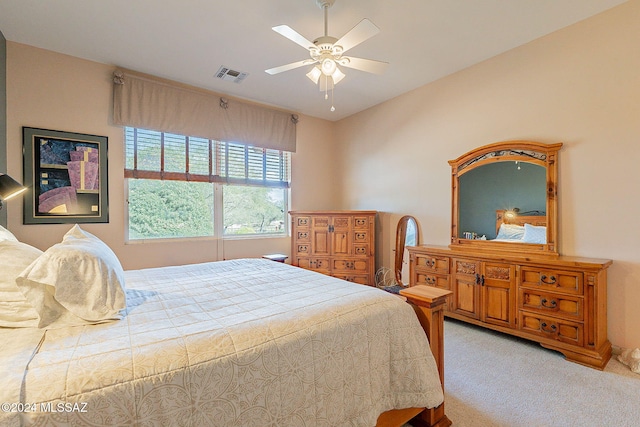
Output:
x=549 y=304
x=431 y=280
x=551 y=281
x=549 y=329
x=430 y=262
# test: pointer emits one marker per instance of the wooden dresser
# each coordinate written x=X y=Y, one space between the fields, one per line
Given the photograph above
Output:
x=557 y=301
x=337 y=243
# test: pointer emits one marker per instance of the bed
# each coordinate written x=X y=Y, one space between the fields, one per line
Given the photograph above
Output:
x=246 y=342
x=515 y=228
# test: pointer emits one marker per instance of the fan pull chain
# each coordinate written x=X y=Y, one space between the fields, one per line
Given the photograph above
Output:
x=332 y=109
x=326 y=86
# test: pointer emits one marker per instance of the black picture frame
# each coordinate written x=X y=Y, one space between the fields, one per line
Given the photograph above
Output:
x=66 y=173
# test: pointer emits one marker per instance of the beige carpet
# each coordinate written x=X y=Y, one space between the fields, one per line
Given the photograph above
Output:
x=493 y=379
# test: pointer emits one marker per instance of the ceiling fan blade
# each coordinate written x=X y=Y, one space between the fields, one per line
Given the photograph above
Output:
x=288 y=67
x=364 y=30
x=294 y=36
x=368 y=65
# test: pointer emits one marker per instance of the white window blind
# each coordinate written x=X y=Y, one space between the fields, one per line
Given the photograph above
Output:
x=165 y=156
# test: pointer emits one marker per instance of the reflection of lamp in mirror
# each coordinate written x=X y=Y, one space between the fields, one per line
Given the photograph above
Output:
x=9 y=188
x=512 y=213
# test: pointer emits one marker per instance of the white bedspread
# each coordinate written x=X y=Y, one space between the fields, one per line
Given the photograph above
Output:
x=233 y=343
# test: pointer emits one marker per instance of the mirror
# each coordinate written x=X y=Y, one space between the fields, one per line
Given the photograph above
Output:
x=499 y=186
x=504 y=197
x=407 y=234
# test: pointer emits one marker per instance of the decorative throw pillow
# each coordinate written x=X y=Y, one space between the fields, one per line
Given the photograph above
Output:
x=535 y=234
x=6 y=235
x=15 y=311
x=510 y=232
x=77 y=281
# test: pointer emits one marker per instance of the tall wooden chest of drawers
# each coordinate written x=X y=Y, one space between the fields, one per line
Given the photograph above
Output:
x=337 y=243
x=558 y=301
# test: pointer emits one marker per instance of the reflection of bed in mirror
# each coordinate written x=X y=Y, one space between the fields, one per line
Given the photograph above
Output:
x=530 y=227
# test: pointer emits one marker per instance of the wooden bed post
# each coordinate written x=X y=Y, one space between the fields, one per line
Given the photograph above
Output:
x=428 y=303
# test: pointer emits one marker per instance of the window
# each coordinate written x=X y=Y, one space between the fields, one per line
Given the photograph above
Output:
x=180 y=186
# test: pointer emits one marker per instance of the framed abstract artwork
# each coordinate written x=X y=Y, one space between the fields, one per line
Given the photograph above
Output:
x=66 y=174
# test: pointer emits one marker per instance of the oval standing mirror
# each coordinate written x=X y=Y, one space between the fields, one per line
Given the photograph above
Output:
x=407 y=234
x=504 y=197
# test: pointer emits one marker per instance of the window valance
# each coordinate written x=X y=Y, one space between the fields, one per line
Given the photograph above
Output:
x=147 y=102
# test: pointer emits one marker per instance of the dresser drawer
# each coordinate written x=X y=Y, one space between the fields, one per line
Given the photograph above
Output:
x=361 y=249
x=360 y=237
x=361 y=222
x=303 y=236
x=362 y=279
x=553 y=328
x=302 y=222
x=302 y=249
x=431 y=279
x=320 y=265
x=354 y=265
x=432 y=264
x=437 y=281
x=566 y=306
x=556 y=280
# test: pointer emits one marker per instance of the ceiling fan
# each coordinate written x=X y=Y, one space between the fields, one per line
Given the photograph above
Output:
x=327 y=52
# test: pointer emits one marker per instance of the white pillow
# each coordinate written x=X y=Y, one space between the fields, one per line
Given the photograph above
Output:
x=6 y=235
x=535 y=234
x=15 y=311
x=77 y=281
x=510 y=232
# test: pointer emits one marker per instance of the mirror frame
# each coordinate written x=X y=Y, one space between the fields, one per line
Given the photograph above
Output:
x=545 y=155
x=401 y=238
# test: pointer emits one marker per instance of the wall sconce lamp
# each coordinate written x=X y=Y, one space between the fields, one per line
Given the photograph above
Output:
x=9 y=188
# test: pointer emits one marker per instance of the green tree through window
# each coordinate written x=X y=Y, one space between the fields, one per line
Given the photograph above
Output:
x=165 y=209
x=176 y=184
x=253 y=210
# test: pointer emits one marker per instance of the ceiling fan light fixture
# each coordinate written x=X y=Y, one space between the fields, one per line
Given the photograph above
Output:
x=337 y=76
x=314 y=74
x=328 y=66
x=326 y=52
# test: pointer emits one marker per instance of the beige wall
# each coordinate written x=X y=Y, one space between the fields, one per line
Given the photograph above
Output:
x=580 y=86
x=54 y=91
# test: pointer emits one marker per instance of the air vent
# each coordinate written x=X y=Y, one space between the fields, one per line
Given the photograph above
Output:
x=230 y=75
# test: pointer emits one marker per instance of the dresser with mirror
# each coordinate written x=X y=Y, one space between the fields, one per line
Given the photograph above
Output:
x=503 y=264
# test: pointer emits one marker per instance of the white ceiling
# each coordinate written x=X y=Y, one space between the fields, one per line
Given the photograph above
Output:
x=188 y=40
